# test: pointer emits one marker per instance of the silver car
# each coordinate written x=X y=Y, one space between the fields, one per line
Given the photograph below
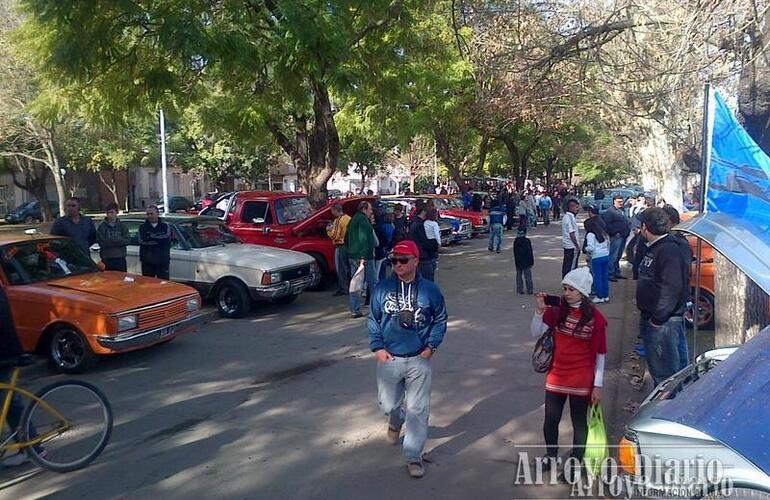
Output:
x=711 y=418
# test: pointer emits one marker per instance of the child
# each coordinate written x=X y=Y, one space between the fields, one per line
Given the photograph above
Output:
x=524 y=260
x=598 y=248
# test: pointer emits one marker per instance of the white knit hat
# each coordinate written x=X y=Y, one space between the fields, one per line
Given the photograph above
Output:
x=580 y=279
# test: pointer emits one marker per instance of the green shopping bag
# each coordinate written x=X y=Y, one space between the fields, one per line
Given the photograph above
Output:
x=596 y=444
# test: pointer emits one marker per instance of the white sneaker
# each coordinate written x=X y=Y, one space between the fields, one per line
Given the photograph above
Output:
x=16 y=459
x=597 y=300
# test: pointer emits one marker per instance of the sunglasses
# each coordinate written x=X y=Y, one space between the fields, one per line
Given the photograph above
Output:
x=400 y=260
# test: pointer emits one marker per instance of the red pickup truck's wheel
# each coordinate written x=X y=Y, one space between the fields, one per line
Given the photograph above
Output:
x=323 y=268
x=232 y=299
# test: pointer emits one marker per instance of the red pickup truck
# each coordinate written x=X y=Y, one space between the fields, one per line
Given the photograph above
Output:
x=282 y=219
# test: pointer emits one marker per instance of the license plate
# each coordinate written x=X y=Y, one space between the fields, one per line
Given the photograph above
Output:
x=166 y=332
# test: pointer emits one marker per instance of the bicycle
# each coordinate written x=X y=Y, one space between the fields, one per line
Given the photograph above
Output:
x=63 y=428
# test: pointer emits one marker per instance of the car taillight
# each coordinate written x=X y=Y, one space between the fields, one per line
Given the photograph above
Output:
x=627 y=456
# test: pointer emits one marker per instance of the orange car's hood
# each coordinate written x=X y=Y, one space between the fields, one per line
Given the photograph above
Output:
x=119 y=287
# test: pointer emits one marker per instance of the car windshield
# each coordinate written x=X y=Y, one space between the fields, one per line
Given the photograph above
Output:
x=34 y=261
x=291 y=210
x=203 y=234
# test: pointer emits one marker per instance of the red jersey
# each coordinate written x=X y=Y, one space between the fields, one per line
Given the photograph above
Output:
x=575 y=350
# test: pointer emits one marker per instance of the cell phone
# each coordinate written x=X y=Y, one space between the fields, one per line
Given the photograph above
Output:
x=552 y=300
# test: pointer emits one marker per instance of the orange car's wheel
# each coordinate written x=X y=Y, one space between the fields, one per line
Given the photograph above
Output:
x=706 y=316
x=69 y=351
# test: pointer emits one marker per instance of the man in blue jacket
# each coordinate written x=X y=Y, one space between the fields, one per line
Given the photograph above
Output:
x=407 y=322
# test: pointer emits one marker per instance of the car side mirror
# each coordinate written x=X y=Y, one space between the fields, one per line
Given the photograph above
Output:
x=258 y=220
x=266 y=229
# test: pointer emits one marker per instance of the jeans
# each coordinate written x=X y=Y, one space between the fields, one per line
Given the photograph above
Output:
x=599 y=270
x=616 y=252
x=427 y=271
x=578 y=410
x=403 y=390
x=115 y=264
x=342 y=267
x=379 y=264
x=661 y=345
x=354 y=299
x=570 y=261
x=546 y=217
x=526 y=273
x=495 y=237
x=684 y=355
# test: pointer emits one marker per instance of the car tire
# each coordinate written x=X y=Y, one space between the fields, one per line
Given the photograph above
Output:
x=286 y=300
x=739 y=493
x=232 y=299
x=323 y=268
x=69 y=351
x=707 y=305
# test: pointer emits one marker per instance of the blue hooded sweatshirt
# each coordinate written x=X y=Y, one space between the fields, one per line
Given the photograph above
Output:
x=424 y=298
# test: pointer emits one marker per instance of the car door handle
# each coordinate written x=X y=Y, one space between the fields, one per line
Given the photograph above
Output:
x=280 y=240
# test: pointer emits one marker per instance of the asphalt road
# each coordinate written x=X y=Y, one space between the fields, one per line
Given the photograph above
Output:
x=282 y=404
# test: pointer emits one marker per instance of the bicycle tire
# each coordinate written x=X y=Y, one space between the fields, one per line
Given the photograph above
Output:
x=49 y=463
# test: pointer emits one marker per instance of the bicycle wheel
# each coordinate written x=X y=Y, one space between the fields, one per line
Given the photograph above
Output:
x=73 y=444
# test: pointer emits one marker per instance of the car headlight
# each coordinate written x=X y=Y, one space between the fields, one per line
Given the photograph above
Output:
x=271 y=278
x=193 y=305
x=127 y=323
x=314 y=268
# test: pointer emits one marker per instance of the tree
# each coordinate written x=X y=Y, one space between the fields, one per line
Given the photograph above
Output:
x=272 y=67
x=414 y=161
x=30 y=176
x=28 y=136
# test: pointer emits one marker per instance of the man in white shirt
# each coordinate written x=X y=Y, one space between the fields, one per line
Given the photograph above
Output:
x=570 y=235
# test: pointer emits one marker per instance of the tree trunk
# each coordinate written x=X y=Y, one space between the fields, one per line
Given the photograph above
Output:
x=483 y=148
x=661 y=167
x=549 y=166
x=35 y=175
x=742 y=308
x=111 y=186
x=516 y=159
x=444 y=151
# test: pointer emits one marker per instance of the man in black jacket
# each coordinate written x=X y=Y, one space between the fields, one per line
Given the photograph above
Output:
x=661 y=294
x=618 y=227
x=155 y=245
x=687 y=258
x=428 y=247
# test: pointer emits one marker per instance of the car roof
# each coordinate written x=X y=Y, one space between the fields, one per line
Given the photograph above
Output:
x=13 y=237
x=269 y=194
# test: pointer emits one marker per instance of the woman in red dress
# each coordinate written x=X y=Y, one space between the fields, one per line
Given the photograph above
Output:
x=577 y=373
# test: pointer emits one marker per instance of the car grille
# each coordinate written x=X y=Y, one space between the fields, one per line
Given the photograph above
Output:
x=163 y=314
x=295 y=273
x=465 y=226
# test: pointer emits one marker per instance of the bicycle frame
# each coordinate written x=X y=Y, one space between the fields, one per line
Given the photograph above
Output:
x=11 y=389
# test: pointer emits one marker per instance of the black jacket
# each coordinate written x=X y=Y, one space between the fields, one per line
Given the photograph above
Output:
x=10 y=347
x=155 y=243
x=664 y=281
x=617 y=223
x=428 y=247
x=522 y=253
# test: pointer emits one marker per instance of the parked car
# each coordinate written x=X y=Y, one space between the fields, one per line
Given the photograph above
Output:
x=29 y=212
x=714 y=410
x=67 y=310
x=206 y=255
x=284 y=220
x=176 y=204
x=452 y=206
x=453 y=229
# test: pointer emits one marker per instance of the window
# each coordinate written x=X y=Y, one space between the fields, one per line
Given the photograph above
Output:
x=43 y=260
x=133 y=232
x=256 y=210
x=291 y=210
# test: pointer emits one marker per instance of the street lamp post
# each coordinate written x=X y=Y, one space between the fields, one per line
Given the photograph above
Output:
x=164 y=172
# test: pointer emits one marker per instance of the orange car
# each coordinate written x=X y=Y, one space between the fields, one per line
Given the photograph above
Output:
x=706 y=299
x=67 y=310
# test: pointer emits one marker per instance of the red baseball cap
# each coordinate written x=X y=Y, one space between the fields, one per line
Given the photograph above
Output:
x=406 y=247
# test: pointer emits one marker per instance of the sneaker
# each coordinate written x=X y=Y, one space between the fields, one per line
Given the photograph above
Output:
x=16 y=460
x=356 y=315
x=530 y=292
x=597 y=300
x=605 y=300
x=392 y=435
x=614 y=280
x=339 y=293
x=547 y=463
x=621 y=277
x=416 y=469
x=521 y=293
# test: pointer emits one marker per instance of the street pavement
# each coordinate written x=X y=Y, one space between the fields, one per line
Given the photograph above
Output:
x=282 y=404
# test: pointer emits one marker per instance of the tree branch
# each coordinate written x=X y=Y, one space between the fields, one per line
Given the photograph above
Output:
x=11 y=154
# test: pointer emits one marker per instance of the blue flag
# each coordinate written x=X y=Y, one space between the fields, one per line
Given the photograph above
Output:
x=738 y=182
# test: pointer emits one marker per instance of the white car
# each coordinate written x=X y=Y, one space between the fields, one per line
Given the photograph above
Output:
x=208 y=256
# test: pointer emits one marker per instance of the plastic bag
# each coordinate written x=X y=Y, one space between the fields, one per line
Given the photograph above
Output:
x=357 y=281
x=596 y=443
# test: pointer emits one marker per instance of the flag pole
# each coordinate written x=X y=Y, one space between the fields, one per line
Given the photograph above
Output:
x=704 y=164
